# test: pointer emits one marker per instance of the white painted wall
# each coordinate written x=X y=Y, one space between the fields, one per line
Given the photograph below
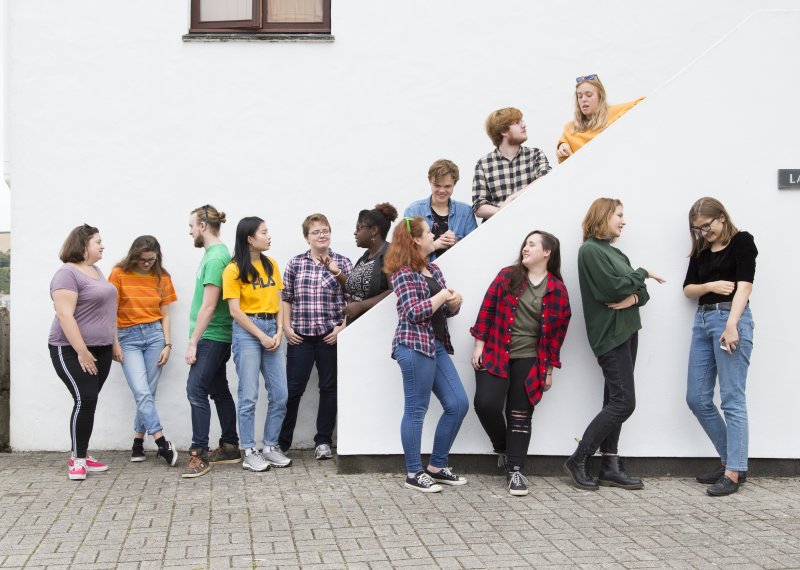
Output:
x=118 y=123
x=5 y=196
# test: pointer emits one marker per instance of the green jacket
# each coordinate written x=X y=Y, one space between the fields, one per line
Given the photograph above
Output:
x=606 y=276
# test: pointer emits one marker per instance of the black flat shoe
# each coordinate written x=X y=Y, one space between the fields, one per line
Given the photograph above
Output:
x=723 y=487
x=713 y=476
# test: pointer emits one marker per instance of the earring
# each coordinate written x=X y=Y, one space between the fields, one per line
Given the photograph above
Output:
x=373 y=239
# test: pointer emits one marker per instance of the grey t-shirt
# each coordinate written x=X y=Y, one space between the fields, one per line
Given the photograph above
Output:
x=95 y=311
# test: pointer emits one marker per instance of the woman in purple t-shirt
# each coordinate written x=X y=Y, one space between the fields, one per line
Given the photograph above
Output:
x=81 y=337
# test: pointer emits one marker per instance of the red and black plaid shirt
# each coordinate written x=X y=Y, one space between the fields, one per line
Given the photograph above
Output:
x=496 y=319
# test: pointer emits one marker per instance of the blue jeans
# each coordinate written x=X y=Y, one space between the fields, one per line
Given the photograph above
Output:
x=707 y=361
x=251 y=359
x=141 y=347
x=421 y=376
x=207 y=379
x=300 y=359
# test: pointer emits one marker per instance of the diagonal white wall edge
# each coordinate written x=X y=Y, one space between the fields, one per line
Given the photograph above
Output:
x=721 y=127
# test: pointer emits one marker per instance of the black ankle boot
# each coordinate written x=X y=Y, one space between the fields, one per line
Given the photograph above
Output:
x=575 y=467
x=612 y=474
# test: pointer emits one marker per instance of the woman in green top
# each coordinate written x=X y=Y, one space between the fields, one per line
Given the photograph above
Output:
x=612 y=292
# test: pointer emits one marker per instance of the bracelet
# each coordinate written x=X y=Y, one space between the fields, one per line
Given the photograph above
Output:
x=337 y=274
x=168 y=345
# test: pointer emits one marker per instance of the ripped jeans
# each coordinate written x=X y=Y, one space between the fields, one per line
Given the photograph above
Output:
x=510 y=433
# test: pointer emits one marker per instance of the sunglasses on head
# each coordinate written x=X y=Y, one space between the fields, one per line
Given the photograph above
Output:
x=583 y=78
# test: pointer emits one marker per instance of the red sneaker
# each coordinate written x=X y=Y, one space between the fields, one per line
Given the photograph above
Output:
x=92 y=465
x=77 y=470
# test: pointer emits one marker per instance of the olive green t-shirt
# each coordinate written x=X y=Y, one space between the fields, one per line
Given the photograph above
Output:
x=210 y=273
x=527 y=321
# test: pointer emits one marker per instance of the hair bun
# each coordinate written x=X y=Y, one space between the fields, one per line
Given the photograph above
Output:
x=389 y=212
x=221 y=217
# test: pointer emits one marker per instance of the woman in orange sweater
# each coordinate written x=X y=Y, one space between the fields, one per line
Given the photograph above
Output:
x=592 y=115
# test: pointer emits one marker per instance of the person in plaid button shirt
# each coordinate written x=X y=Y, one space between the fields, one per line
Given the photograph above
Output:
x=422 y=348
x=313 y=301
x=505 y=173
x=518 y=334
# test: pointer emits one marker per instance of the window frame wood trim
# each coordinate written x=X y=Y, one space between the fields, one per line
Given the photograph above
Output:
x=260 y=24
x=226 y=25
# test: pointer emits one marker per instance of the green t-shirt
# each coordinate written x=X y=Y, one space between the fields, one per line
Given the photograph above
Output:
x=210 y=273
x=527 y=321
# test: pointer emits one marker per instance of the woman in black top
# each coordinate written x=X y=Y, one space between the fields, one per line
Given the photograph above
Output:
x=367 y=283
x=722 y=265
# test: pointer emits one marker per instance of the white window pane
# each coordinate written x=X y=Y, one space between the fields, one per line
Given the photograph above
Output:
x=294 y=11
x=225 y=10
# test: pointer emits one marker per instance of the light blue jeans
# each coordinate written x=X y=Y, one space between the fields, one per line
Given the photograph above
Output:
x=251 y=359
x=707 y=361
x=141 y=346
x=422 y=376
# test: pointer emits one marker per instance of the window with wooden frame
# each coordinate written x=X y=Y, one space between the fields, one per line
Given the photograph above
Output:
x=262 y=16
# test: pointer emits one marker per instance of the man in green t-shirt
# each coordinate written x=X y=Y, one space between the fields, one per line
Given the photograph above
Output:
x=209 y=348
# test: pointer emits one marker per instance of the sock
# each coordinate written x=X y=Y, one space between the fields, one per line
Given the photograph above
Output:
x=411 y=475
x=161 y=441
x=138 y=440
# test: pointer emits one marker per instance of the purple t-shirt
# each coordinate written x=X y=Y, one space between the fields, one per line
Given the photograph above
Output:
x=95 y=311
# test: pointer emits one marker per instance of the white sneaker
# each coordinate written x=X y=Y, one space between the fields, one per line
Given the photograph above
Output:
x=323 y=451
x=274 y=456
x=253 y=461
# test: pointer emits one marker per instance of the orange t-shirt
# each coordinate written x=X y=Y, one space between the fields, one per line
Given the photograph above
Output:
x=140 y=297
x=577 y=140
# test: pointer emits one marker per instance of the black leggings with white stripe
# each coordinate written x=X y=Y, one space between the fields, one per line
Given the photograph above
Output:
x=84 y=389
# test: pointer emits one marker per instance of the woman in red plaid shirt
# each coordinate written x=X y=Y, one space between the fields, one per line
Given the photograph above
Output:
x=518 y=334
x=422 y=348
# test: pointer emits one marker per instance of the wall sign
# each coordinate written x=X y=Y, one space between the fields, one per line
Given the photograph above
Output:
x=788 y=179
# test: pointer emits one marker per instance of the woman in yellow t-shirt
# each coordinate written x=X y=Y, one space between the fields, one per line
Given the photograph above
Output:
x=142 y=343
x=251 y=283
x=592 y=115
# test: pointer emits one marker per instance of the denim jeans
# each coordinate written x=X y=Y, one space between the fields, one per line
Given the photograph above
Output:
x=707 y=361
x=619 y=398
x=141 y=347
x=422 y=376
x=300 y=359
x=251 y=359
x=207 y=379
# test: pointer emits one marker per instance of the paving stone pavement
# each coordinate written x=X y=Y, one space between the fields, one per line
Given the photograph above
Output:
x=144 y=516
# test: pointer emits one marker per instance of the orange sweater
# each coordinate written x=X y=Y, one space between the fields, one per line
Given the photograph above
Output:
x=577 y=140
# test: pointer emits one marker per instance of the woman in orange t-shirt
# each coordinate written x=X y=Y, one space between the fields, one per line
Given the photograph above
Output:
x=592 y=115
x=142 y=344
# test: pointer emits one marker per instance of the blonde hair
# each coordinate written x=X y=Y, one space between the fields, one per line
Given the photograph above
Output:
x=581 y=123
x=442 y=168
x=595 y=223
x=709 y=208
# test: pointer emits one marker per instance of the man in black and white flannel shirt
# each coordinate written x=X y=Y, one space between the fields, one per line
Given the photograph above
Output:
x=505 y=173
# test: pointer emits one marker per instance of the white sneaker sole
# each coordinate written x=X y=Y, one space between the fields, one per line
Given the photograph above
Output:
x=433 y=489
x=138 y=459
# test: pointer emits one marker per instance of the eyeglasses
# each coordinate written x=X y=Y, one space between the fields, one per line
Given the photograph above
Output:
x=148 y=260
x=316 y=233
x=583 y=78
x=704 y=228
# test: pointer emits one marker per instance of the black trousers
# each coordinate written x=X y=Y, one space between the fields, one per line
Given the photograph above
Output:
x=509 y=431
x=84 y=389
x=619 y=398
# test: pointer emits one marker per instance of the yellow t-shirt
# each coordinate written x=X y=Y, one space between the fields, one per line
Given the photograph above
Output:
x=261 y=296
x=140 y=296
x=577 y=140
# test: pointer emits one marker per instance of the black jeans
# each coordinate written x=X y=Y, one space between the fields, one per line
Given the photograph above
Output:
x=619 y=398
x=300 y=359
x=84 y=389
x=509 y=432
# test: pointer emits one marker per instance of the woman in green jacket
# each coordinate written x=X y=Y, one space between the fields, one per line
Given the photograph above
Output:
x=612 y=292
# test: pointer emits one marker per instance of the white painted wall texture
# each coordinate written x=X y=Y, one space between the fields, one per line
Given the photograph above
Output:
x=116 y=122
